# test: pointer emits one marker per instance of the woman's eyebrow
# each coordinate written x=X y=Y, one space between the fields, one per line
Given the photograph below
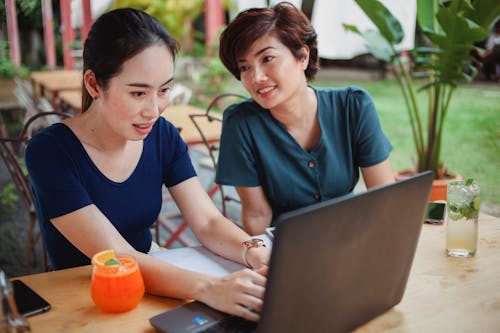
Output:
x=145 y=85
x=264 y=50
x=258 y=52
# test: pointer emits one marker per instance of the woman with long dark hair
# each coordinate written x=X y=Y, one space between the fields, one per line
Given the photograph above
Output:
x=97 y=177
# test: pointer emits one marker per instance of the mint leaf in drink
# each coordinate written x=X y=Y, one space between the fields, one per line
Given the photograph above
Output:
x=463 y=200
x=454 y=214
x=469 y=211
x=113 y=262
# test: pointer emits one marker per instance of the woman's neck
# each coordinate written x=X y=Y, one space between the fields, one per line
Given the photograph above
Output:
x=95 y=132
x=298 y=112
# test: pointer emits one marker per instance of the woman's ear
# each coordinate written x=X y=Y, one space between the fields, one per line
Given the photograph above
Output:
x=91 y=84
x=305 y=57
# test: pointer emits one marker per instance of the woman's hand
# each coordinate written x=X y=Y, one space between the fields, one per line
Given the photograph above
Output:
x=240 y=293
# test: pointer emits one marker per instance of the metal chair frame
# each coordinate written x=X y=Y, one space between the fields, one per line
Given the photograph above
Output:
x=21 y=180
x=211 y=146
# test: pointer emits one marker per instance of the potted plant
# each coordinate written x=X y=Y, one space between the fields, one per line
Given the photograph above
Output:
x=451 y=29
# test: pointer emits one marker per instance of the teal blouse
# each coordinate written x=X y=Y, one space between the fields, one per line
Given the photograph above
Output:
x=257 y=150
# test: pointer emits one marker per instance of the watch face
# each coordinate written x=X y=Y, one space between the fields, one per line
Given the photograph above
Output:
x=255 y=242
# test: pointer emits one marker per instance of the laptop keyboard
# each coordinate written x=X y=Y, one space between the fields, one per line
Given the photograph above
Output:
x=232 y=324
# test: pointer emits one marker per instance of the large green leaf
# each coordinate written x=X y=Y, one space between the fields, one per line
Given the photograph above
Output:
x=425 y=14
x=350 y=27
x=385 y=22
x=458 y=27
x=484 y=13
x=376 y=44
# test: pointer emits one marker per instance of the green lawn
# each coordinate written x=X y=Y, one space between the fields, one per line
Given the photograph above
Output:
x=471 y=142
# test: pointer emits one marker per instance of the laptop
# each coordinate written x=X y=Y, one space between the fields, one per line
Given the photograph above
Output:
x=334 y=265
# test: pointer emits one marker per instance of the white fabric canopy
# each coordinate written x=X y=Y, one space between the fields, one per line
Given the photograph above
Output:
x=98 y=7
x=336 y=43
x=242 y=5
x=245 y=4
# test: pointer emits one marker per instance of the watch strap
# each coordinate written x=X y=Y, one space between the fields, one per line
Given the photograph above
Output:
x=247 y=245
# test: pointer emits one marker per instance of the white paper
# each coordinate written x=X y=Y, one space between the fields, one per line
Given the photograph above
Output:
x=200 y=259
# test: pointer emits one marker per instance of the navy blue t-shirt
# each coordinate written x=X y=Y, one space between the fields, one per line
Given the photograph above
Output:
x=64 y=179
x=257 y=150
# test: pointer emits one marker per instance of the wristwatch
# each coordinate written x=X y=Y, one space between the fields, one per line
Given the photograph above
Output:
x=246 y=245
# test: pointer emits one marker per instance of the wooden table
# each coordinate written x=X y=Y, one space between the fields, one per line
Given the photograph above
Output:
x=70 y=101
x=68 y=291
x=443 y=294
x=448 y=294
x=180 y=116
x=50 y=83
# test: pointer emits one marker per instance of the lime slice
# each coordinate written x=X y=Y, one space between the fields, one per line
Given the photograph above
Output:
x=476 y=203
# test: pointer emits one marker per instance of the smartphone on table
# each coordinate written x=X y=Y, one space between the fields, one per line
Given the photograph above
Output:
x=435 y=212
x=28 y=301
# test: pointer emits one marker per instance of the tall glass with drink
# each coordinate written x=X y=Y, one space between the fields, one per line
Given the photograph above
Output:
x=461 y=223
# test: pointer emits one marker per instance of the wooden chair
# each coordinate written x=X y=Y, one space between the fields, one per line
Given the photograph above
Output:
x=13 y=162
x=200 y=121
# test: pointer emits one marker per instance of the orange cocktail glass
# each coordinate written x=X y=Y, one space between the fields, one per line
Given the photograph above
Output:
x=118 y=287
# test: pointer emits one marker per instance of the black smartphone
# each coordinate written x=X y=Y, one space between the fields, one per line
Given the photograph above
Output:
x=28 y=301
x=435 y=212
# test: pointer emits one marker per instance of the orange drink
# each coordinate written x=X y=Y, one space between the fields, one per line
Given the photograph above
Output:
x=117 y=284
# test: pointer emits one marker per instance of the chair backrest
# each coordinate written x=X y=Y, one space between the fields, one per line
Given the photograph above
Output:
x=199 y=121
x=30 y=101
x=13 y=163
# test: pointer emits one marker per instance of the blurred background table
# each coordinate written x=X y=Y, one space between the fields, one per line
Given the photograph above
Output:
x=70 y=101
x=179 y=115
x=50 y=83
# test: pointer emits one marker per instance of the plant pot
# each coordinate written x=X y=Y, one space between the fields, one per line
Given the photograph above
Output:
x=439 y=186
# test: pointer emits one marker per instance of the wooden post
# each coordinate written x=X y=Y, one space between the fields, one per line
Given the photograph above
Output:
x=48 y=34
x=214 y=20
x=67 y=33
x=86 y=19
x=12 y=32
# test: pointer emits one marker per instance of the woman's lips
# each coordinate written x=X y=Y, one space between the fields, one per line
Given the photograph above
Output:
x=264 y=92
x=143 y=128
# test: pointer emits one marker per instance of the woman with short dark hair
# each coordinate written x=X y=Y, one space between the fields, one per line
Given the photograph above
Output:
x=97 y=177
x=291 y=144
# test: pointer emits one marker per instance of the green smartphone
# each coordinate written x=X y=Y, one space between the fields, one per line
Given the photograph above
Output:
x=435 y=212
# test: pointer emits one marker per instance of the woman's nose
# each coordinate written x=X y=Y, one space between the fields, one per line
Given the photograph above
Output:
x=152 y=109
x=258 y=75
